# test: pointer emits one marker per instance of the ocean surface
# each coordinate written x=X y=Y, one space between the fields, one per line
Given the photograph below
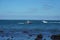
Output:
x=20 y=30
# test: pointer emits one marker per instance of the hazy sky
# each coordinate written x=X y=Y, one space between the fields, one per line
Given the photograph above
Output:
x=30 y=9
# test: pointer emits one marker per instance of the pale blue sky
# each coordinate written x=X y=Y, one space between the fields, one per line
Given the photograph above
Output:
x=30 y=9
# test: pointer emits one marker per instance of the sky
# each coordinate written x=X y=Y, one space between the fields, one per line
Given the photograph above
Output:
x=30 y=9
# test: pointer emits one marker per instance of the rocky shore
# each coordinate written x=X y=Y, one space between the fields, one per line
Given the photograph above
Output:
x=27 y=35
x=55 y=37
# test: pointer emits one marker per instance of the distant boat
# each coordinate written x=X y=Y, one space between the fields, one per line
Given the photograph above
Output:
x=28 y=22
x=44 y=21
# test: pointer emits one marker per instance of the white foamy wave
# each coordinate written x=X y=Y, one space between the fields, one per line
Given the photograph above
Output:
x=20 y=23
x=54 y=22
x=49 y=22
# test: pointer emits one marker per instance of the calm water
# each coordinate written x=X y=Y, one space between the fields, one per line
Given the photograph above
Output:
x=21 y=31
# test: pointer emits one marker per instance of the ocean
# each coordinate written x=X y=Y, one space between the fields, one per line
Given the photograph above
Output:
x=21 y=30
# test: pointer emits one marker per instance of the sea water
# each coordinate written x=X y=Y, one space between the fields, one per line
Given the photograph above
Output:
x=20 y=30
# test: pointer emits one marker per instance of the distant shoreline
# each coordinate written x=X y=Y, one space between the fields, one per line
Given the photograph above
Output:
x=26 y=19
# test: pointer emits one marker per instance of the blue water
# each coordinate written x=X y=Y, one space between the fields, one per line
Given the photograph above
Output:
x=13 y=28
